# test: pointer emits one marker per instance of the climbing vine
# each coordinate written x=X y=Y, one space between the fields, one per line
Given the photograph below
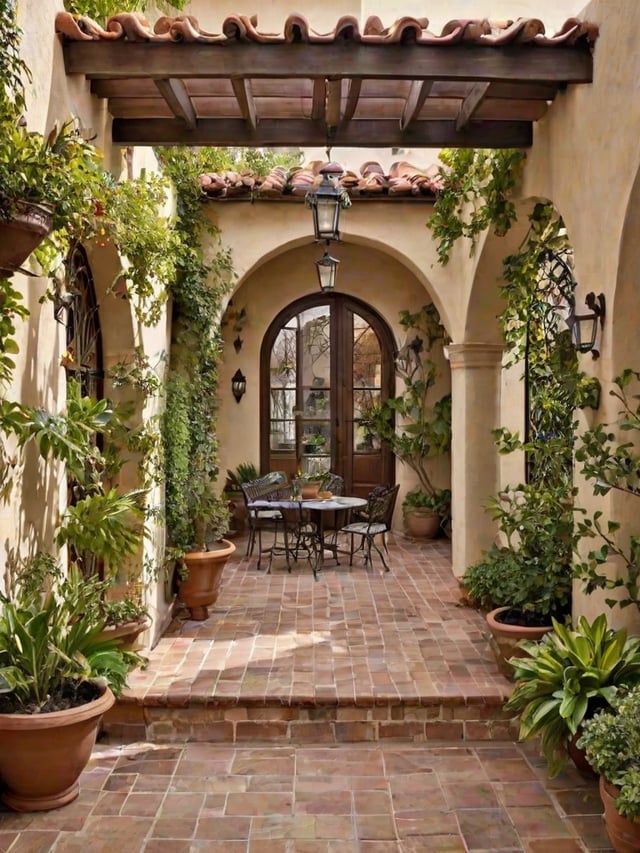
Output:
x=475 y=195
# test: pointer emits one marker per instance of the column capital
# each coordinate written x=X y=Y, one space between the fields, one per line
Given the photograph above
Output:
x=474 y=355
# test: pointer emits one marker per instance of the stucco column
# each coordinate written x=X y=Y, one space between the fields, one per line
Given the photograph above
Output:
x=475 y=393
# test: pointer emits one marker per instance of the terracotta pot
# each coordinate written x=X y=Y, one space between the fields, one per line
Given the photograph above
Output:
x=579 y=757
x=21 y=234
x=309 y=490
x=238 y=510
x=43 y=755
x=505 y=639
x=624 y=834
x=421 y=523
x=127 y=633
x=203 y=572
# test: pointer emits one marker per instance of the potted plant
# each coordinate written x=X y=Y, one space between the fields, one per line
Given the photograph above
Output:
x=45 y=182
x=424 y=429
x=313 y=443
x=427 y=513
x=611 y=741
x=307 y=484
x=566 y=677
x=197 y=517
x=525 y=582
x=57 y=678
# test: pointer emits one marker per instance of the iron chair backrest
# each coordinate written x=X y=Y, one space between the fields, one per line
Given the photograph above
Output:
x=333 y=483
x=264 y=487
x=381 y=504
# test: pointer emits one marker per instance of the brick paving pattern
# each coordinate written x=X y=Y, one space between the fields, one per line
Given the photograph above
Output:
x=354 y=713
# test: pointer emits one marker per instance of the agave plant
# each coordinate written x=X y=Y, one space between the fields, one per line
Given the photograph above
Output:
x=566 y=677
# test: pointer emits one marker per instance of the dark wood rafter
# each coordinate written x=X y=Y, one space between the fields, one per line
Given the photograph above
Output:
x=355 y=87
x=471 y=104
x=334 y=103
x=417 y=96
x=356 y=90
x=319 y=98
x=175 y=94
x=244 y=96
x=300 y=132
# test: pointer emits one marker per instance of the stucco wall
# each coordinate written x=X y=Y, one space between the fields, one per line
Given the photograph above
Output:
x=584 y=158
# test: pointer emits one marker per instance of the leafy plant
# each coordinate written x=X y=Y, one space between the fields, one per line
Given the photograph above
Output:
x=422 y=431
x=50 y=647
x=195 y=511
x=563 y=679
x=611 y=740
x=610 y=462
x=245 y=472
x=102 y=10
x=532 y=572
x=475 y=188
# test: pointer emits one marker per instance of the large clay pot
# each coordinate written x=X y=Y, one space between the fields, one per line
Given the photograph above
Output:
x=421 y=523
x=126 y=633
x=505 y=638
x=579 y=756
x=21 y=234
x=624 y=834
x=198 y=589
x=43 y=755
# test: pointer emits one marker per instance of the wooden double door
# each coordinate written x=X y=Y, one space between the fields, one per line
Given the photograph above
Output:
x=326 y=360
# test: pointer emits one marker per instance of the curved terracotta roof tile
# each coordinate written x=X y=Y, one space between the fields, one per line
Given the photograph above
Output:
x=131 y=26
x=403 y=180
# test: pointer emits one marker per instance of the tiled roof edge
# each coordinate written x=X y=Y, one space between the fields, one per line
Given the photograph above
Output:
x=403 y=181
x=132 y=26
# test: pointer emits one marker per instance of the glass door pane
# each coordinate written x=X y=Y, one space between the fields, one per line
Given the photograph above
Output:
x=283 y=382
x=367 y=382
x=314 y=423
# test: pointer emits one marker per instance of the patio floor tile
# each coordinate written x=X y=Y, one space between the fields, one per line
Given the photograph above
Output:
x=353 y=638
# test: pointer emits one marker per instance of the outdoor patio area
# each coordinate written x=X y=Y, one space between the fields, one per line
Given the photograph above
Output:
x=359 y=712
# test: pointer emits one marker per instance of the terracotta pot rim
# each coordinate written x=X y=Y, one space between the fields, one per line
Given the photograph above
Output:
x=225 y=550
x=506 y=628
x=55 y=719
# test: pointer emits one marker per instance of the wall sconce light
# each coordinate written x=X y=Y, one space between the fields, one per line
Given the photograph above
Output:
x=237 y=344
x=238 y=385
x=325 y=203
x=586 y=328
x=327 y=268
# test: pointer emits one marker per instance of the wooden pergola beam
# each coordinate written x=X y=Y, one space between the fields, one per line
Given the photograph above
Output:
x=535 y=64
x=302 y=132
x=471 y=104
x=418 y=94
x=242 y=91
x=174 y=93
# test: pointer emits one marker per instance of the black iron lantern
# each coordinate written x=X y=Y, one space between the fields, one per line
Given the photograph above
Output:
x=327 y=268
x=325 y=203
x=238 y=385
x=586 y=328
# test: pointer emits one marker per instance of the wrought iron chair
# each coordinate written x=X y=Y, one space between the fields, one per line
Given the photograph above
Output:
x=300 y=538
x=376 y=522
x=265 y=488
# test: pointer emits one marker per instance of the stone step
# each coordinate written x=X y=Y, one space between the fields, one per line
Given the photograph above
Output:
x=455 y=719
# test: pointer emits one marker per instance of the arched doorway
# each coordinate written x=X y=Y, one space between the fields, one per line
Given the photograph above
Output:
x=325 y=360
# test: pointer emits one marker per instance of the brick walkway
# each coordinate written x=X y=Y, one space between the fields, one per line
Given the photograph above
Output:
x=392 y=798
x=349 y=714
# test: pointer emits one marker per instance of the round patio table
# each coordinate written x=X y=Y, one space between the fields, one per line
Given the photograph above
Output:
x=319 y=507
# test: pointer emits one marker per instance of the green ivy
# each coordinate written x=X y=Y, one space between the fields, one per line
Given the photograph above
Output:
x=475 y=195
x=189 y=434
